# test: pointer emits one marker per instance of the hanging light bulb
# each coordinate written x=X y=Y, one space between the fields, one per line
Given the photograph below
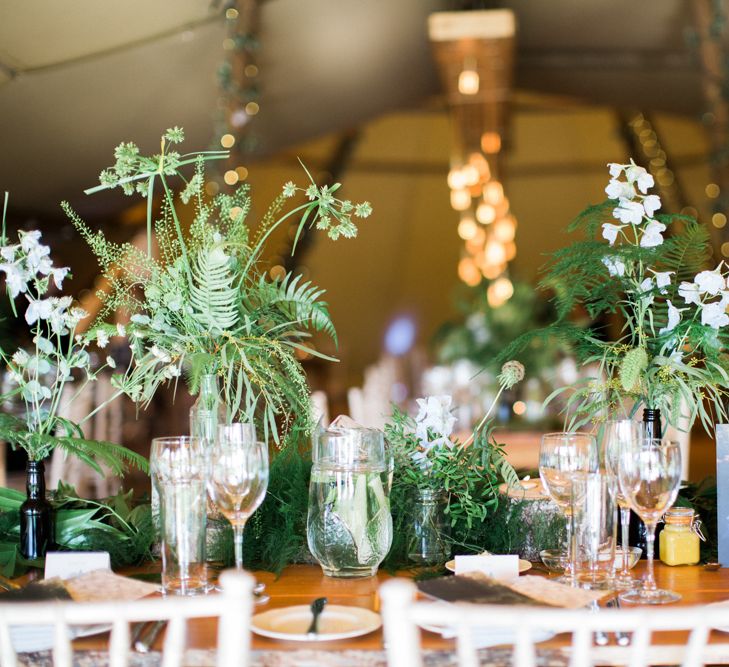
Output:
x=460 y=199
x=493 y=192
x=495 y=253
x=468 y=272
x=471 y=174
x=467 y=228
x=505 y=229
x=491 y=142
x=456 y=179
x=499 y=292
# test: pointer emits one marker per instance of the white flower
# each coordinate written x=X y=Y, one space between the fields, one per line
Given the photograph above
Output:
x=619 y=190
x=652 y=234
x=689 y=292
x=102 y=338
x=674 y=317
x=58 y=275
x=640 y=176
x=629 y=212
x=434 y=414
x=16 y=279
x=645 y=288
x=615 y=169
x=120 y=329
x=610 y=232
x=710 y=282
x=171 y=371
x=110 y=362
x=289 y=189
x=8 y=252
x=38 y=260
x=40 y=309
x=29 y=240
x=714 y=315
x=615 y=265
x=160 y=354
x=663 y=279
x=20 y=358
x=651 y=204
x=74 y=316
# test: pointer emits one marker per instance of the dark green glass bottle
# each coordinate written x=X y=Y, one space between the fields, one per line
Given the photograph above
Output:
x=36 y=514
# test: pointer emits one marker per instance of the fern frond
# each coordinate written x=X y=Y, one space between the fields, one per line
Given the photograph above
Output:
x=213 y=293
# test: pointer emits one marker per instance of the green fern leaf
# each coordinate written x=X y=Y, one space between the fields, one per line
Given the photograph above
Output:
x=213 y=293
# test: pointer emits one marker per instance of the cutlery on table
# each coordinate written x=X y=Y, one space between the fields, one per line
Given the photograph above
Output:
x=601 y=638
x=144 y=643
x=622 y=638
x=316 y=609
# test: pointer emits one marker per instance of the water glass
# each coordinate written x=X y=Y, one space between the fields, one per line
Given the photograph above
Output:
x=178 y=477
x=649 y=477
x=561 y=457
x=594 y=517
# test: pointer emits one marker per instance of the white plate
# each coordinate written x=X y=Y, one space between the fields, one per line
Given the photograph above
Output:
x=483 y=637
x=524 y=565
x=31 y=638
x=335 y=622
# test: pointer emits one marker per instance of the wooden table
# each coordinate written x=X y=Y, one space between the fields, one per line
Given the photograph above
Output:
x=300 y=584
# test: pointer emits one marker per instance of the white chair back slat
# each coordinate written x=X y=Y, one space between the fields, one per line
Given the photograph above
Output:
x=174 y=646
x=8 y=657
x=403 y=616
x=233 y=608
x=119 y=643
x=62 y=651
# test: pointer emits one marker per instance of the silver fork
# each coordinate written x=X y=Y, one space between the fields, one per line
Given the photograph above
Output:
x=601 y=638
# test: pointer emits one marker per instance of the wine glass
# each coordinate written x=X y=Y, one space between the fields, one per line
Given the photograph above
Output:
x=237 y=479
x=649 y=477
x=617 y=435
x=562 y=456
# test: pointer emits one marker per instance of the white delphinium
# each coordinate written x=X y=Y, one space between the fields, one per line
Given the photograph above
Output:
x=433 y=426
x=710 y=292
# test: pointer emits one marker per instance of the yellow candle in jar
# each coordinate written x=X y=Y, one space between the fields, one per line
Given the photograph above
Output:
x=678 y=542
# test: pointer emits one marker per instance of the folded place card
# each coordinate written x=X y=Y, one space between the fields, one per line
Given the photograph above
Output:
x=501 y=568
x=69 y=564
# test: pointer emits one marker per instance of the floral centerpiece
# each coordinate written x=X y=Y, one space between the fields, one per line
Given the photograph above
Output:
x=434 y=471
x=651 y=270
x=206 y=304
x=40 y=376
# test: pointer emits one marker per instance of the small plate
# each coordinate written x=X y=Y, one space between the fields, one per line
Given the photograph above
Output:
x=485 y=637
x=524 y=565
x=335 y=622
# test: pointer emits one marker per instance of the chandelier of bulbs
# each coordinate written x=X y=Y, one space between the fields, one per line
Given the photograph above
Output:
x=474 y=53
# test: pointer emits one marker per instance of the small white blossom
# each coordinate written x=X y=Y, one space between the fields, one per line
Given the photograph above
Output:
x=689 y=292
x=610 y=232
x=663 y=279
x=289 y=189
x=29 y=240
x=714 y=315
x=120 y=329
x=102 y=338
x=20 y=358
x=59 y=275
x=710 y=282
x=160 y=354
x=110 y=362
x=674 y=317
x=38 y=309
x=651 y=204
x=639 y=176
x=652 y=236
x=16 y=279
x=619 y=190
x=435 y=415
x=615 y=265
x=629 y=212
x=615 y=169
x=8 y=252
x=645 y=288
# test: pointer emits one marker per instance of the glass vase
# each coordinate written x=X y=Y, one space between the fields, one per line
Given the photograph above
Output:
x=429 y=533
x=36 y=514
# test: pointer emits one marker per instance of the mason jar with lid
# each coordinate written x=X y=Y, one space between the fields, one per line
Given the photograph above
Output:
x=679 y=541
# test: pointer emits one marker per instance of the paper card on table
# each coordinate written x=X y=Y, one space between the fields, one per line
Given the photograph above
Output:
x=68 y=564
x=722 y=491
x=501 y=568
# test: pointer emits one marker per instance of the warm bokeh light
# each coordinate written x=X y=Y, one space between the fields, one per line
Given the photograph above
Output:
x=493 y=192
x=456 y=180
x=242 y=173
x=499 y=292
x=495 y=253
x=467 y=228
x=460 y=199
x=252 y=108
x=227 y=141
x=505 y=229
x=485 y=213
x=519 y=408
x=468 y=82
x=230 y=177
x=712 y=190
x=212 y=188
x=468 y=272
x=491 y=142
x=235 y=212
x=471 y=174
x=725 y=249
x=277 y=272
x=718 y=220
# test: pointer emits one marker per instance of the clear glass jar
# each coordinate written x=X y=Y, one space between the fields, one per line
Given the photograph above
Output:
x=429 y=533
x=679 y=541
x=208 y=411
x=349 y=525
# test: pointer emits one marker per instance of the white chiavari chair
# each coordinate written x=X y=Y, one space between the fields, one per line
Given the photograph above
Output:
x=403 y=615
x=232 y=608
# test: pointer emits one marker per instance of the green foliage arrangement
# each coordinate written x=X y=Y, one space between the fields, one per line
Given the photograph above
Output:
x=59 y=358
x=427 y=458
x=672 y=347
x=206 y=305
x=116 y=524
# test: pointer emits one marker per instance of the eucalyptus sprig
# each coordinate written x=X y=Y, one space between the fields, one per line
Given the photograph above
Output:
x=206 y=304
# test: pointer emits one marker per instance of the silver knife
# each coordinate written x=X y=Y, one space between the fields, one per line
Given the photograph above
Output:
x=144 y=643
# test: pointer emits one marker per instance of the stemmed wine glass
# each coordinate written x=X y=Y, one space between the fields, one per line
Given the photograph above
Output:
x=237 y=479
x=649 y=477
x=562 y=456
x=617 y=435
